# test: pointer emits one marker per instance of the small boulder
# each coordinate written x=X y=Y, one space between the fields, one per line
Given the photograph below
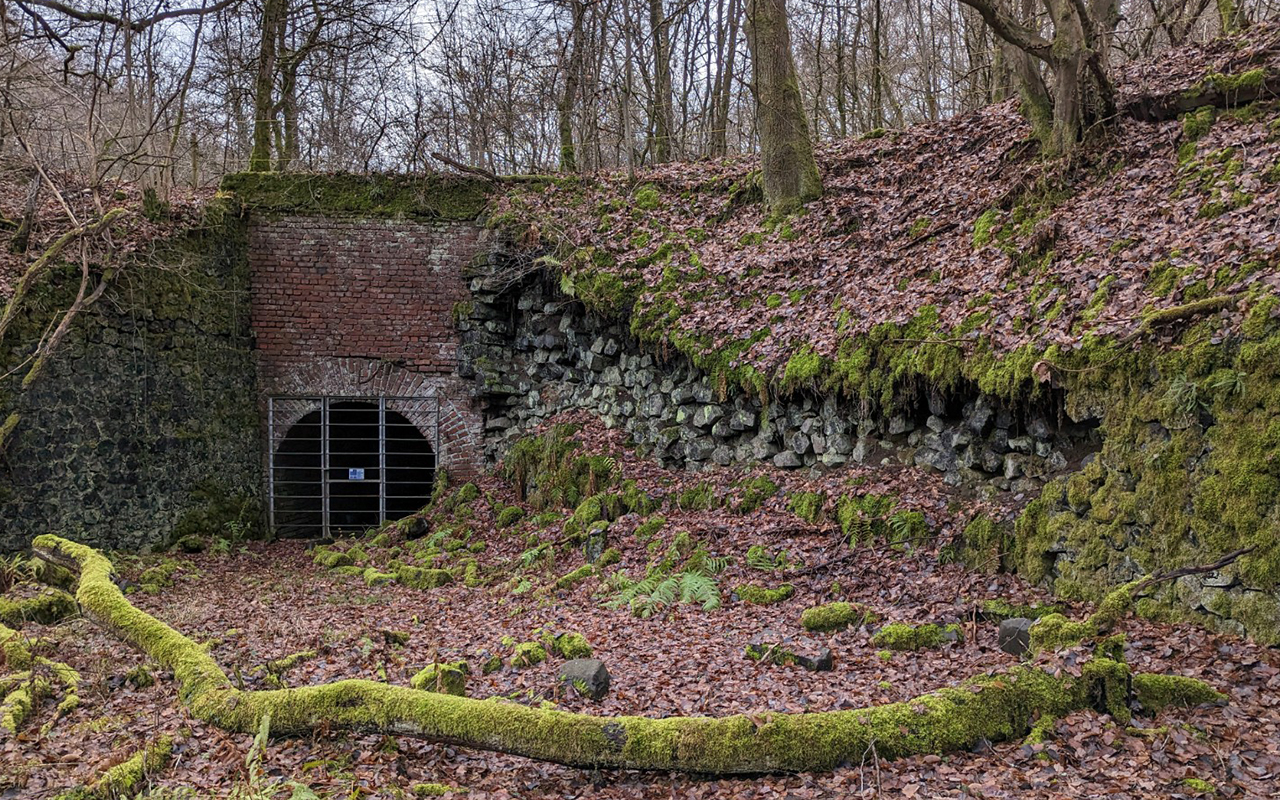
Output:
x=443 y=678
x=784 y=651
x=191 y=544
x=588 y=676
x=1014 y=636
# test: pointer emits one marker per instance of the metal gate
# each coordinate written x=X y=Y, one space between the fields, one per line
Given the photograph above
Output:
x=348 y=463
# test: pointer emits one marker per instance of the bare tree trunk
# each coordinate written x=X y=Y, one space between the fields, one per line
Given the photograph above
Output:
x=660 y=111
x=572 y=74
x=790 y=173
x=273 y=16
x=719 y=140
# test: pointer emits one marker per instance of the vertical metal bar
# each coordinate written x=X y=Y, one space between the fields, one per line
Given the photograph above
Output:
x=271 y=466
x=324 y=466
x=382 y=460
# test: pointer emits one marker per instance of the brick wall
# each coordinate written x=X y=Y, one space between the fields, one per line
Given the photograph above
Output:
x=365 y=308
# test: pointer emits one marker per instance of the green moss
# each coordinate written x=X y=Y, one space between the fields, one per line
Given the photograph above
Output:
x=139 y=677
x=436 y=789
x=445 y=678
x=649 y=528
x=900 y=636
x=982 y=544
x=423 y=578
x=1230 y=86
x=836 y=616
x=571 y=579
x=131 y=777
x=429 y=197
x=753 y=493
x=50 y=605
x=1199 y=785
x=982 y=227
x=994 y=708
x=701 y=497
x=761 y=596
x=998 y=610
x=376 y=577
x=572 y=645
x=647 y=197
x=527 y=654
x=608 y=558
x=808 y=506
x=803 y=368
x=1155 y=693
x=1196 y=124
x=918 y=227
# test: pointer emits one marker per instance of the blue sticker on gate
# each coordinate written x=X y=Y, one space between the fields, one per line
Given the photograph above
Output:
x=355 y=474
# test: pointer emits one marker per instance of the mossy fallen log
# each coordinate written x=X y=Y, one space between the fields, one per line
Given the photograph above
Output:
x=21 y=692
x=994 y=707
x=129 y=777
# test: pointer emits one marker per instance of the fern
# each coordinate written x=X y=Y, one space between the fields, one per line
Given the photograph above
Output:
x=698 y=588
x=760 y=559
x=664 y=585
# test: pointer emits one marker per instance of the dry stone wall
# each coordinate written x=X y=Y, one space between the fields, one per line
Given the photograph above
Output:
x=536 y=353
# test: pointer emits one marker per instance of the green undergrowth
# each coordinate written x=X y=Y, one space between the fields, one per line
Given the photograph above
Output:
x=862 y=517
x=685 y=573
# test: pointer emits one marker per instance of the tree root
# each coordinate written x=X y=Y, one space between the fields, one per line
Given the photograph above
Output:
x=995 y=707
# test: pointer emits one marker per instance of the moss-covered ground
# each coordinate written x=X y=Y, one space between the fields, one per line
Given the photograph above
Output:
x=266 y=605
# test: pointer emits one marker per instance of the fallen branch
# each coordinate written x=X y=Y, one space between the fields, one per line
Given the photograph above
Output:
x=1043 y=369
x=1207 y=93
x=994 y=707
x=1054 y=631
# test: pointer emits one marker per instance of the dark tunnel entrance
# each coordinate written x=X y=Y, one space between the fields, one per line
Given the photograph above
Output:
x=348 y=466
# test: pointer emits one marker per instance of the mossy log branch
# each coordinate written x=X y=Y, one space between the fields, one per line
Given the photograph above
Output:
x=995 y=707
x=48 y=258
x=1222 y=91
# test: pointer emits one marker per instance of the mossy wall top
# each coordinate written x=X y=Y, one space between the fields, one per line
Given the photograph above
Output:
x=426 y=198
x=144 y=425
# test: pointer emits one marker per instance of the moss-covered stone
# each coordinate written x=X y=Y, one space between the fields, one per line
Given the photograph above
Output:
x=50 y=605
x=754 y=492
x=901 y=636
x=423 y=577
x=445 y=678
x=571 y=579
x=763 y=596
x=807 y=506
x=528 y=654
x=510 y=516
x=1155 y=693
x=330 y=559
x=376 y=577
x=572 y=645
x=836 y=616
